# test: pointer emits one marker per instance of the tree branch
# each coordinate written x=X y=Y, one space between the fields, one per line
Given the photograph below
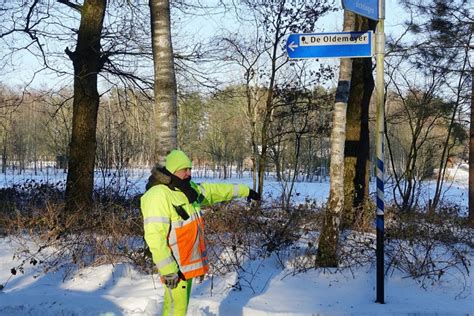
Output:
x=74 y=6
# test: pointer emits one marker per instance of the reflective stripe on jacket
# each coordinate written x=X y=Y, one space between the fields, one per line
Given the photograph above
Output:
x=176 y=243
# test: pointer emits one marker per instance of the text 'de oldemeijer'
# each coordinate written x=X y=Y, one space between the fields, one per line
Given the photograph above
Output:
x=333 y=39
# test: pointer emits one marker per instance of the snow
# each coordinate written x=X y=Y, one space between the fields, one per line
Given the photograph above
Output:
x=120 y=289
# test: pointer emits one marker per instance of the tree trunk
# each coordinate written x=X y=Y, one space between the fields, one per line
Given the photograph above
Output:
x=87 y=63
x=252 y=110
x=471 y=155
x=446 y=146
x=4 y=157
x=166 y=119
x=356 y=152
x=328 y=241
x=262 y=161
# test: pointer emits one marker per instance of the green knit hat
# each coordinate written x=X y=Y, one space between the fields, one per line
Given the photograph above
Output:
x=177 y=160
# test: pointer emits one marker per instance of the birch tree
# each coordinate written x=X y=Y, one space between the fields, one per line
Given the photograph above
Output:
x=328 y=241
x=165 y=111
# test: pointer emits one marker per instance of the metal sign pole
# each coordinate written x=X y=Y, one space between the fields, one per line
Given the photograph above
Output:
x=380 y=54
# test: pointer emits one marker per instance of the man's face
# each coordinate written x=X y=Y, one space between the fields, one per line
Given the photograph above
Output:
x=183 y=174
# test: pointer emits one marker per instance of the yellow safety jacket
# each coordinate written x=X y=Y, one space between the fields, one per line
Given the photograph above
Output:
x=176 y=242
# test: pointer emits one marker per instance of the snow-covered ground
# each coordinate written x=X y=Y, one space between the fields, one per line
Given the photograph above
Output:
x=121 y=290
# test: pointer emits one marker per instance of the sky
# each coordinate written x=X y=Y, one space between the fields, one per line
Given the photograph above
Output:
x=190 y=28
x=215 y=24
x=267 y=288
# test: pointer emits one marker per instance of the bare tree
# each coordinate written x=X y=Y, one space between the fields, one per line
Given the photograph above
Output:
x=53 y=22
x=410 y=125
x=440 y=52
x=87 y=60
x=271 y=21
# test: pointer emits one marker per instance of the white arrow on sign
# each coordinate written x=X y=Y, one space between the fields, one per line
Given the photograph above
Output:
x=292 y=46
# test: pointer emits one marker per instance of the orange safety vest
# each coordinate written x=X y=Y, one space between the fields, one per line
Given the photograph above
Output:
x=186 y=240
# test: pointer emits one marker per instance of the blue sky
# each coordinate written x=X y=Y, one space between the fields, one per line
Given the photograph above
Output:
x=187 y=28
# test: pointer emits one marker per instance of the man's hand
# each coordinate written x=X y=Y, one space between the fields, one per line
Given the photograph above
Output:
x=253 y=195
x=171 y=280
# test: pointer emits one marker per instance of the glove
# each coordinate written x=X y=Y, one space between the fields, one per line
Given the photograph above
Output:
x=171 y=280
x=253 y=195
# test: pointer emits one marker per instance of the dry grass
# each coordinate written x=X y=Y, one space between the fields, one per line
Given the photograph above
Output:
x=422 y=247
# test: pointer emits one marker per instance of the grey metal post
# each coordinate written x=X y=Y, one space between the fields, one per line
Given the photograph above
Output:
x=379 y=149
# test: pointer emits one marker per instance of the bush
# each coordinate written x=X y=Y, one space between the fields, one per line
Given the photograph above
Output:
x=111 y=231
x=426 y=248
x=429 y=248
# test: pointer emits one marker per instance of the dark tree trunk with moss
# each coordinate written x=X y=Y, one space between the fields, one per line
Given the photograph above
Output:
x=87 y=61
x=356 y=152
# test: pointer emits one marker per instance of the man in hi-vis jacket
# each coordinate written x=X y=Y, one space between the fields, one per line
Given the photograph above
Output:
x=174 y=228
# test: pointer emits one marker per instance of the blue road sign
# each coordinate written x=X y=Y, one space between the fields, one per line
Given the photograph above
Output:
x=367 y=8
x=330 y=45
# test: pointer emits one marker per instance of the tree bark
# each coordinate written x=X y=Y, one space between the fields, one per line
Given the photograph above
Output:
x=356 y=152
x=267 y=115
x=166 y=121
x=87 y=62
x=471 y=155
x=4 y=156
x=328 y=240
